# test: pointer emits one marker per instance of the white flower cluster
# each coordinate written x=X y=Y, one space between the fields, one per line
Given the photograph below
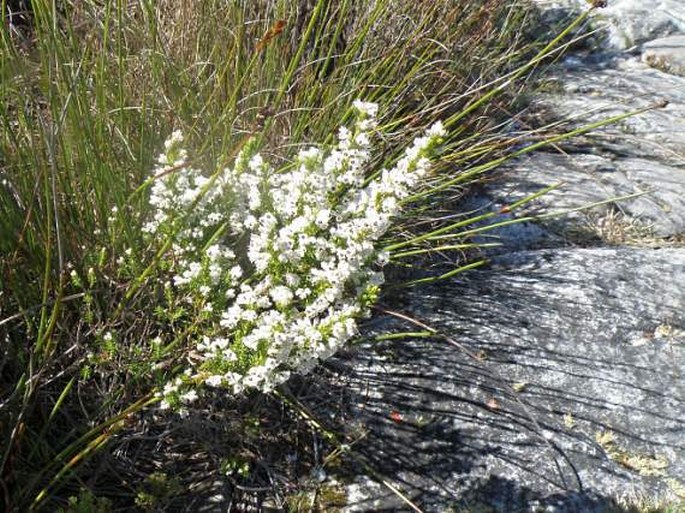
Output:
x=284 y=261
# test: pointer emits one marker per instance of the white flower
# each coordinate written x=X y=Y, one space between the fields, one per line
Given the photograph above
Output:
x=293 y=252
x=189 y=397
x=362 y=139
x=436 y=130
x=256 y=163
x=366 y=108
x=175 y=139
x=281 y=295
x=214 y=381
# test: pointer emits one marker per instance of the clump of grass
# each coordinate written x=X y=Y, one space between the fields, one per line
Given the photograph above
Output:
x=644 y=465
x=87 y=96
x=616 y=228
x=647 y=505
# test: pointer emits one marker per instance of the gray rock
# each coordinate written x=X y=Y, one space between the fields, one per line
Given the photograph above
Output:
x=595 y=91
x=644 y=153
x=667 y=54
x=560 y=387
x=628 y=22
x=587 y=179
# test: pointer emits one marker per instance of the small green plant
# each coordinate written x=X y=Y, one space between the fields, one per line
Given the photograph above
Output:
x=327 y=497
x=236 y=465
x=156 y=492
x=86 y=502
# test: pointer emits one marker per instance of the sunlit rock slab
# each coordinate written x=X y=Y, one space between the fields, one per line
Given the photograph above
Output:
x=595 y=91
x=642 y=154
x=587 y=179
x=561 y=388
x=627 y=22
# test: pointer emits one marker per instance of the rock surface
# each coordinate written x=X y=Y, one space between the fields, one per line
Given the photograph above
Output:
x=627 y=22
x=593 y=91
x=561 y=387
x=589 y=178
x=559 y=383
x=642 y=154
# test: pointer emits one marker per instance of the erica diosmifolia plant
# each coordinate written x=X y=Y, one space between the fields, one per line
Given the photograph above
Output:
x=270 y=308
x=262 y=272
x=282 y=264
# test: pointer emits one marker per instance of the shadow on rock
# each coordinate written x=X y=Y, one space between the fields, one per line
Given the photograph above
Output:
x=558 y=386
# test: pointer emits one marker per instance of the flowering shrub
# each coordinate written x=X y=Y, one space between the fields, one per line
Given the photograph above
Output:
x=279 y=264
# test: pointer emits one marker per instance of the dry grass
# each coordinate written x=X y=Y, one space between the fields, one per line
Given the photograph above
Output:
x=615 y=228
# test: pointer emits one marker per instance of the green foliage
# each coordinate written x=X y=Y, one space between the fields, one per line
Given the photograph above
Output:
x=157 y=489
x=86 y=502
